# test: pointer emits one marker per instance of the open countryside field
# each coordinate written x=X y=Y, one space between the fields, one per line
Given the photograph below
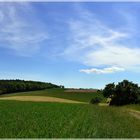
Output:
x=40 y=99
x=31 y=119
x=59 y=120
x=69 y=69
x=59 y=93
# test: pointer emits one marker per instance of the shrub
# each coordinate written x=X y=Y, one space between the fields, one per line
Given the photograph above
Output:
x=95 y=100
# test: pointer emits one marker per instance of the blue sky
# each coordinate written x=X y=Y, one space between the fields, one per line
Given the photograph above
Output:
x=74 y=44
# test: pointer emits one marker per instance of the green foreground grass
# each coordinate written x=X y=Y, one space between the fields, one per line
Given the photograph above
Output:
x=60 y=93
x=59 y=120
x=133 y=106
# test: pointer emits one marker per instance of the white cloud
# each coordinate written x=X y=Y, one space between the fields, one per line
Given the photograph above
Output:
x=102 y=71
x=21 y=31
x=96 y=45
x=116 y=55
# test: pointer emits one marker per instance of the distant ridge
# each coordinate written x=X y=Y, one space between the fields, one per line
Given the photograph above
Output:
x=11 y=86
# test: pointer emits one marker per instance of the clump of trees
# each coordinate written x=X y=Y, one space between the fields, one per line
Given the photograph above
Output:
x=10 y=86
x=124 y=92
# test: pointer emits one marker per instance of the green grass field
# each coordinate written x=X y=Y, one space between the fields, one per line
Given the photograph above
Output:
x=59 y=120
x=22 y=119
x=60 y=93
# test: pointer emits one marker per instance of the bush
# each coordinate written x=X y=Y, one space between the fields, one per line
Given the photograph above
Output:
x=99 y=92
x=95 y=100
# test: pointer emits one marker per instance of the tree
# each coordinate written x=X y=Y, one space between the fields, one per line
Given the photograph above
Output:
x=124 y=92
x=10 y=86
x=109 y=90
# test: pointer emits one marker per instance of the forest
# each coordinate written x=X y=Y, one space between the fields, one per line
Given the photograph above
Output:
x=10 y=86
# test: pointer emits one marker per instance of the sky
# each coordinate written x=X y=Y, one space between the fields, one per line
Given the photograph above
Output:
x=75 y=44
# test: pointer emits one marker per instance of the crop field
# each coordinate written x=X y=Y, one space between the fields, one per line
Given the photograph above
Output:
x=40 y=99
x=69 y=70
x=61 y=120
x=60 y=93
x=33 y=116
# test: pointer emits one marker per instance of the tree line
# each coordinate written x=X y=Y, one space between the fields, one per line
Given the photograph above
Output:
x=10 y=86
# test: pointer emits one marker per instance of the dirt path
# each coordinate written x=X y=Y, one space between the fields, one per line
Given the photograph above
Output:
x=40 y=99
x=134 y=113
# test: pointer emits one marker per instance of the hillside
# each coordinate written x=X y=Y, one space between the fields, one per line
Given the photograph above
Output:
x=10 y=86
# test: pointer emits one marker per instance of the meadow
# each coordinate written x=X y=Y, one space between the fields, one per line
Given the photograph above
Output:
x=24 y=119
x=59 y=93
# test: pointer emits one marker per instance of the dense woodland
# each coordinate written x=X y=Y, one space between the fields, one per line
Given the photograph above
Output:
x=10 y=86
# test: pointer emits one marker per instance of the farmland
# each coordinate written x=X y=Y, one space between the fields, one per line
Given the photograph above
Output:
x=30 y=119
x=59 y=93
x=59 y=120
x=69 y=69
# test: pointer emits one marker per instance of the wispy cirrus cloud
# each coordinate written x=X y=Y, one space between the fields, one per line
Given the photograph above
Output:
x=95 y=44
x=21 y=31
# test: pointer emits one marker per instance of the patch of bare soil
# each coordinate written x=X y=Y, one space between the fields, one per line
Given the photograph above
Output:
x=39 y=99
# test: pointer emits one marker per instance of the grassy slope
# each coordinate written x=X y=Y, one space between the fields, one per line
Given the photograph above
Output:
x=84 y=97
x=29 y=119
x=133 y=106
